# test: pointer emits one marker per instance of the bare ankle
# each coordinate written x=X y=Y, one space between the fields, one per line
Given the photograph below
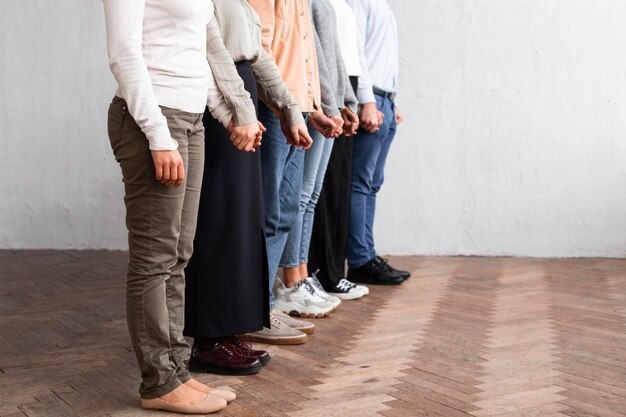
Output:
x=291 y=277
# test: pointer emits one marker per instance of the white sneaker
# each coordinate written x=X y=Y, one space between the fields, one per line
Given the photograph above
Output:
x=363 y=288
x=347 y=290
x=320 y=292
x=300 y=300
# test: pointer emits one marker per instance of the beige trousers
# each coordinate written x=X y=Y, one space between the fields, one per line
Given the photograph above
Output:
x=161 y=222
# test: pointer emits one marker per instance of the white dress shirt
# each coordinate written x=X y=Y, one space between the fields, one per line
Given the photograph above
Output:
x=157 y=53
x=347 y=31
x=378 y=35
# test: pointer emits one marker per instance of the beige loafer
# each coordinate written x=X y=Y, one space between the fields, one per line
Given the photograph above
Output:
x=211 y=404
x=223 y=392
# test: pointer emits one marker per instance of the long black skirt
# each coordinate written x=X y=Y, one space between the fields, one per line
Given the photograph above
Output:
x=227 y=277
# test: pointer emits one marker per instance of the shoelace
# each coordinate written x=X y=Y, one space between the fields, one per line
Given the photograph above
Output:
x=237 y=342
x=316 y=282
x=227 y=347
x=275 y=322
x=307 y=286
x=379 y=266
x=344 y=284
x=230 y=348
x=384 y=263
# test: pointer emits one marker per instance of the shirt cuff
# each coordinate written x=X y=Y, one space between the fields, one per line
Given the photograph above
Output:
x=293 y=115
x=366 y=95
x=244 y=115
x=160 y=138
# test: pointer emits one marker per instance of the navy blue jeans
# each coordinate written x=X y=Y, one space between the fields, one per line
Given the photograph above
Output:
x=282 y=167
x=368 y=166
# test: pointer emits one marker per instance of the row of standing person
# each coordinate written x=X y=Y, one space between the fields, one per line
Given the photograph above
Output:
x=280 y=171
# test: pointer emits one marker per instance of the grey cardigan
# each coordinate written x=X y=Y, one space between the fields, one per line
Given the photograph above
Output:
x=335 y=83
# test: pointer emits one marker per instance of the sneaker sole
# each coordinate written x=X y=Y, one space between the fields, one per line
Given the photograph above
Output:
x=274 y=340
x=200 y=367
x=292 y=311
x=309 y=315
x=307 y=330
x=348 y=297
x=367 y=281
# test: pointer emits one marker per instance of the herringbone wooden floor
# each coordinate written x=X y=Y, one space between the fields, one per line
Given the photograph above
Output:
x=462 y=337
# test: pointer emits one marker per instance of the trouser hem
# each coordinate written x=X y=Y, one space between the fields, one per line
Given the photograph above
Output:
x=184 y=377
x=162 y=390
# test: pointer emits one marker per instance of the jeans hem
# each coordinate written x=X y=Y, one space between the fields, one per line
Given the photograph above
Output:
x=358 y=264
x=289 y=265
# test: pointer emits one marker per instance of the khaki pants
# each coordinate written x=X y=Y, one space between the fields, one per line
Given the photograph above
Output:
x=161 y=223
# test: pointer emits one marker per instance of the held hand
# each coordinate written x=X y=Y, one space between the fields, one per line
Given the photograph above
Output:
x=262 y=129
x=246 y=138
x=322 y=124
x=339 y=129
x=381 y=117
x=351 y=122
x=297 y=135
x=399 y=117
x=369 y=116
x=169 y=167
x=301 y=134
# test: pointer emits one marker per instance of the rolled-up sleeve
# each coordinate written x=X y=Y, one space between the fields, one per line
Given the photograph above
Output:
x=228 y=79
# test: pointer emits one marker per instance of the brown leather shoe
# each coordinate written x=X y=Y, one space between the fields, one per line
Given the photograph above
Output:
x=247 y=350
x=222 y=358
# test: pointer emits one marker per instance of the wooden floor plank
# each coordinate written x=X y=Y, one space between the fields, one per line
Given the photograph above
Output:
x=462 y=337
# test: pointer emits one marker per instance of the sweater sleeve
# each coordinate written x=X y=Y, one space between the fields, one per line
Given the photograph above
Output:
x=124 y=27
x=228 y=80
x=329 y=104
x=350 y=98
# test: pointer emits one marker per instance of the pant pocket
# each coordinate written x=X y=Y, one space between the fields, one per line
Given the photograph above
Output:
x=115 y=123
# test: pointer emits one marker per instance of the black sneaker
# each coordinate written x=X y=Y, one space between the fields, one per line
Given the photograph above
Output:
x=374 y=272
x=346 y=290
x=403 y=274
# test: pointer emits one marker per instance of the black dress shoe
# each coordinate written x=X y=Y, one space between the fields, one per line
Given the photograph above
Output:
x=247 y=350
x=374 y=272
x=222 y=358
x=403 y=274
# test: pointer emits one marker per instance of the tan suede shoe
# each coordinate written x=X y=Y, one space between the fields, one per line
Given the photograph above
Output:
x=211 y=404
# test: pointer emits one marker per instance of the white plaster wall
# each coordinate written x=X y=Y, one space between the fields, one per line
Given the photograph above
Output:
x=513 y=145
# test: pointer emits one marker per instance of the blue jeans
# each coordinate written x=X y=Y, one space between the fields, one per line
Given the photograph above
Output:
x=368 y=166
x=281 y=169
x=315 y=163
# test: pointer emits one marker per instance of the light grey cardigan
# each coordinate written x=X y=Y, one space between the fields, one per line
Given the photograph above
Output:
x=337 y=92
